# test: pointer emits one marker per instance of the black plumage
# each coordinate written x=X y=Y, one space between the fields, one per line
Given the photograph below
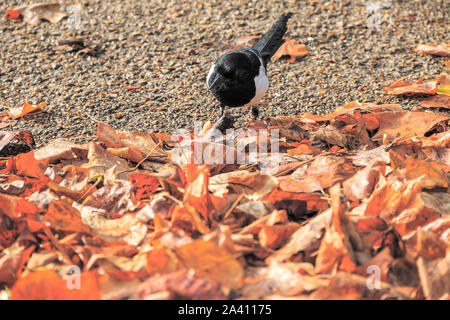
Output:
x=238 y=77
x=273 y=39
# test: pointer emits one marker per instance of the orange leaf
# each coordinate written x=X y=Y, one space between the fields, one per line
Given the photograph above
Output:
x=433 y=49
x=16 y=113
x=371 y=122
x=161 y=261
x=401 y=87
x=211 y=262
x=145 y=185
x=62 y=216
x=291 y=48
x=341 y=247
x=47 y=285
x=438 y=101
x=304 y=149
x=275 y=236
x=15 y=207
x=404 y=124
x=197 y=193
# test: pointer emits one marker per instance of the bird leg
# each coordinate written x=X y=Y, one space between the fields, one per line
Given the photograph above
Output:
x=222 y=110
x=255 y=112
x=225 y=121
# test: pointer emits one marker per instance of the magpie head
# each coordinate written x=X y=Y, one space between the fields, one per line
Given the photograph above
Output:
x=233 y=68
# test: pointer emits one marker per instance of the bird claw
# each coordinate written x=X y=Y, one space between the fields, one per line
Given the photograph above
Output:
x=225 y=122
x=255 y=113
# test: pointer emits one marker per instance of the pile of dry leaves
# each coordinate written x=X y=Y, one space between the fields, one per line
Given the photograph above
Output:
x=357 y=206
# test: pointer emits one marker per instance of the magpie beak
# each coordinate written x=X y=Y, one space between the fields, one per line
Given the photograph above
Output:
x=239 y=78
x=218 y=80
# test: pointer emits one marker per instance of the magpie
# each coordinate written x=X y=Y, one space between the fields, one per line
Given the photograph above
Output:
x=239 y=77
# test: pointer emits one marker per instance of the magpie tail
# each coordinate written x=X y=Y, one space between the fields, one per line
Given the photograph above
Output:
x=273 y=39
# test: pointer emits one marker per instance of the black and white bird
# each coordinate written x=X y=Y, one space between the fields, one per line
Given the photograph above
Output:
x=239 y=77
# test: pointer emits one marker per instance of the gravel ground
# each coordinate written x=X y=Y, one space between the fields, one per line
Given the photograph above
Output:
x=167 y=47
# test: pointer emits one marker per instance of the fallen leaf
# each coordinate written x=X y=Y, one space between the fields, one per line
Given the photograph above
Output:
x=433 y=49
x=403 y=125
x=12 y=261
x=429 y=245
x=342 y=247
x=62 y=216
x=361 y=185
x=438 y=101
x=401 y=87
x=34 y=13
x=183 y=283
x=5 y=120
x=292 y=49
x=211 y=262
x=134 y=146
x=47 y=285
x=435 y=276
x=100 y=161
x=19 y=112
x=59 y=149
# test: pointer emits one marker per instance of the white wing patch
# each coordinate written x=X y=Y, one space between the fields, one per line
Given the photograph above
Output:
x=213 y=67
x=261 y=84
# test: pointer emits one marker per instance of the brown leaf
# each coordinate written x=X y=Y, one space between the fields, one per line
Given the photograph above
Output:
x=404 y=124
x=319 y=174
x=429 y=245
x=253 y=185
x=275 y=236
x=12 y=261
x=362 y=184
x=346 y=286
x=62 y=216
x=306 y=239
x=403 y=204
x=34 y=13
x=211 y=262
x=19 y=112
x=58 y=149
x=435 y=276
x=182 y=283
x=117 y=197
x=126 y=228
x=100 y=161
x=6 y=121
x=134 y=146
x=437 y=101
x=401 y=87
x=433 y=49
x=292 y=49
x=342 y=247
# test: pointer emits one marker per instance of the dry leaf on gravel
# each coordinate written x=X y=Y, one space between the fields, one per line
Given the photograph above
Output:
x=433 y=49
x=401 y=87
x=32 y=14
x=292 y=49
x=19 y=112
x=438 y=101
